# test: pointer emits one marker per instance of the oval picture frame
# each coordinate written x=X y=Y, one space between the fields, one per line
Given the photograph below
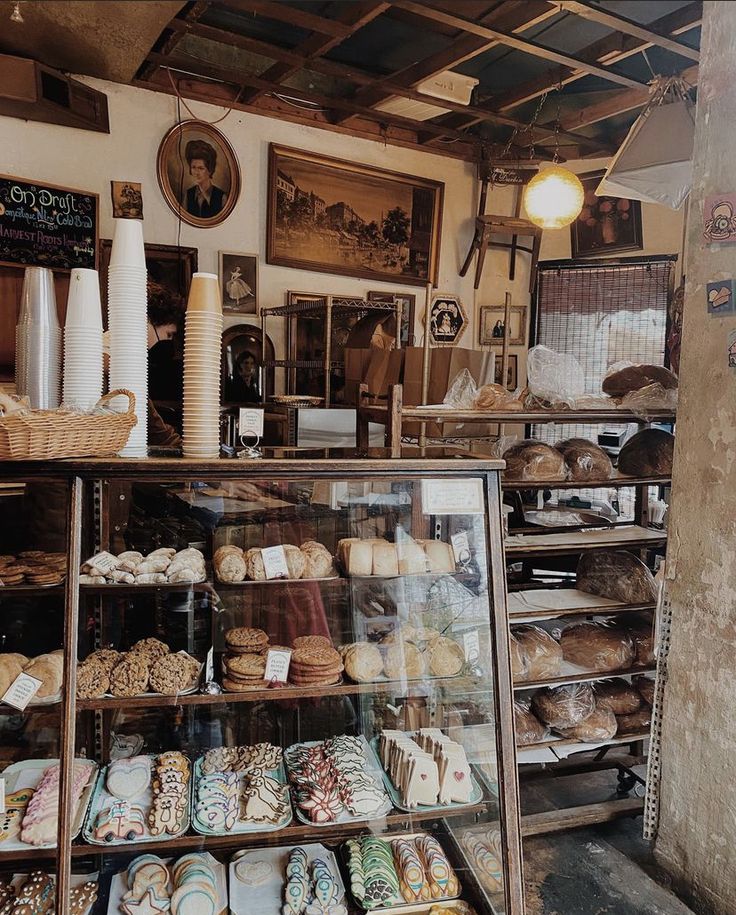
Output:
x=195 y=154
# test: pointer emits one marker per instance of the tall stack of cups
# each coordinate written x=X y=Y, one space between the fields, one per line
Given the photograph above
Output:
x=202 y=353
x=38 y=341
x=128 y=321
x=83 y=341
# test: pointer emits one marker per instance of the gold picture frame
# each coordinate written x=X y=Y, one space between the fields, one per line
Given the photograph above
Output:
x=490 y=325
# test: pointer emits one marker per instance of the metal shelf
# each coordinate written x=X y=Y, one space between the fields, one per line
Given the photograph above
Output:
x=584 y=677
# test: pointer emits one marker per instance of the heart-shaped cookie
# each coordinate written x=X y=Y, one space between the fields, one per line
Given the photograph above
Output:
x=253 y=873
x=129 y=778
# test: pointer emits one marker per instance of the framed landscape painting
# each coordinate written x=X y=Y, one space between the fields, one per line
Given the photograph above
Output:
x=355 y=220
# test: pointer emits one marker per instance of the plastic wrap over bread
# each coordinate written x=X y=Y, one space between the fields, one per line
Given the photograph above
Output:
x=564 y=706
x=639 y=721
x=529 y=459
x=462 y=392
x=617 y=696
x=618 y=575
x=584 y=460
x=542 y=653
x=595 y=646
x=519 y=664
x=645 y=688
x=647 y=453
x=624 y=378
x=529 y=729
x=497 y=398
x=641 y=629
x=554 y=378
x=596 y=728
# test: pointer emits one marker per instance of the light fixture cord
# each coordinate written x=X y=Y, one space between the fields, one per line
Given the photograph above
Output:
x=533 y=123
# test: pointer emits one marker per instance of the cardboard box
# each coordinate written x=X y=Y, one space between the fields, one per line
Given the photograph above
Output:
x=378 y=368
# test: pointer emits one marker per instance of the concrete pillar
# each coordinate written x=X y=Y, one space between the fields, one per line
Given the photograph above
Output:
x=697 y=826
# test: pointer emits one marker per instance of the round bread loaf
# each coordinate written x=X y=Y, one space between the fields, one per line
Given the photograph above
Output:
x=647 y=453
x=564 y=706
x=599 y=726
x=533 y=460
x=518 y=660
x=497 y=397
x=635 y=377
x=585 y=461
x=543 y=654
x=617 y=575
x=593 y=646
x=641 y=631
x=529 y=729
x=645 y=688
x=618 y=696
x=639 y=721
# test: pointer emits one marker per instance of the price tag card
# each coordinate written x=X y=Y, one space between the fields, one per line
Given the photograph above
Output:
x=471 y=645
x=21 y=691
x=209 y=668
x=277 y=665
x=250 y=421
x=452 y=497
x=2 y=795
x=274 y=562
x=461 y=547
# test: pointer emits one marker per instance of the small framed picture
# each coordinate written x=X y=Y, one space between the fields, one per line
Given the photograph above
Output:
x=447 y=320
x=127 y=200
x=239 y=283
x=491 y=327
x=512 y=372
x=408 y=302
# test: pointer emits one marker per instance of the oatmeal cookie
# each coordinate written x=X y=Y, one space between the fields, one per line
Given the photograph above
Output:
x=130 y=676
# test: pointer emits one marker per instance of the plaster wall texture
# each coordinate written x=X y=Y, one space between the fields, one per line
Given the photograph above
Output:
x=697 y=827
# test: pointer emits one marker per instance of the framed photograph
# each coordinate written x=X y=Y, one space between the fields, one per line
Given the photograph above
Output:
x=198 y=174
x=408 y=302
x=447 y=320
x=127 y=200
x=239 y=282
x=341 y=217
x=512 y=372
x=168 y=265
x=605 y=224
x=491 y=327
x=243 y=372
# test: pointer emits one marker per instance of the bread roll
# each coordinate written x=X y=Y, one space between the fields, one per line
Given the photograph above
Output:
x=635 y=377
x=599 y=726
x=647 y=453
x=518 y=660
x=533 y=460
x=639 y=721
x=593 y=646
x=618 y=696
x=529 y=729
x=617 y=575
x=543 y=654
x=585 y=461
x=564 y=706
x=645 y=688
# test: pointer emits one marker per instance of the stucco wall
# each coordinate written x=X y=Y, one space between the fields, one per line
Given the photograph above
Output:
x=697 y=829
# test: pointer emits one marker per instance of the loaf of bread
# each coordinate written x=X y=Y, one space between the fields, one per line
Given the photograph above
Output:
x=645 y=688
x=647 y=453
x=594 y=646
x=497 y=397
x=617 y=575
x=639 y=721
x=585 y=461
x=529 y=729
x=533 y=460
x=641 y=630
x=564 y=706
x=440 y=557
x=618 y=696
x=599 y=726
x=519 y=664
x=542 y=653
x=635 y=377
x=407 y=557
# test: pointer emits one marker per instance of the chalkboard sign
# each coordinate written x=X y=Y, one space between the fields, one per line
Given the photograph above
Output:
x=46 y=225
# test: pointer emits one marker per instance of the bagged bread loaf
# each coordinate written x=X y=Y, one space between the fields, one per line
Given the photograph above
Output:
x=618 y=696
x=599 y=726
x=533 y=460
x=623 y=379
x=564 y=706
x=519 y=665
x=497 y=397
x=585 y=461
x=631 y=724
x=595 y=646
x=617 y=575
x=649 y=452
x=543 y=654
x=645 y=688
x=529 y=729
x=641 y=630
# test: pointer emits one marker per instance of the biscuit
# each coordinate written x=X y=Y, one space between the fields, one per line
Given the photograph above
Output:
x=171 y=674
x=152 y=647
x=239 y=686
x=106 y=658
x=313 y=642
x=245 y=637
x=246 y=665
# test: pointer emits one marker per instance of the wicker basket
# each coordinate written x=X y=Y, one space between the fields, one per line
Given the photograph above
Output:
x=46 y=435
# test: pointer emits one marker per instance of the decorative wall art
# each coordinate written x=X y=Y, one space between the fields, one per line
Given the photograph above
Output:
x=127 y=200
x=198 y=173
x=605 y=224
x=343 y=217
x=447 y=320
x=239 y=282
x=491 y=327
x=719 y=218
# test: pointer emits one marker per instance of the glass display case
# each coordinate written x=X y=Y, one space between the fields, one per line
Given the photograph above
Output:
x=285 y=682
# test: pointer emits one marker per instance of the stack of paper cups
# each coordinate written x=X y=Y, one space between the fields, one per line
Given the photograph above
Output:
x=202 y=351
x=38 y=341
x=128 y=321
x=83 y=341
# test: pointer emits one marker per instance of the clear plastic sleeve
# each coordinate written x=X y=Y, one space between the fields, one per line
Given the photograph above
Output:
x=649 y=398
x=519 y=663
x=554 y=378
x=462 y=393
x=529 y=459
x=645 y=688
x=542 y=653
x=648 y=452
x=529 y=729
x=624 y=378
x=595 y=646
x=564 y=706
x=618 y=696
x=617 y=575
x=585 y=461
x=596 y=728
x=630 y=724
x=497 y=398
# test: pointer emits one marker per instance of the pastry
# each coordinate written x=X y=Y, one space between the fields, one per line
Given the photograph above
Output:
x=170 y=791
x=251 y=640
x=428 y=770
x=313 y=641
x=128 y=778
x=314 y=666
x=255 y=570
x=49 y=669
x=40 y=820
x=485 y=851
x=151 y=647
x=317 y=559
x=264 y=799
x=10 y=668
x=230 y=567
x=122 y=820
x=295 y=560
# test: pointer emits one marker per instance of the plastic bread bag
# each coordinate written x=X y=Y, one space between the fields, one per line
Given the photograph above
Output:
x=541 y=652
x=618 y=575
x=519 y=663
x=529 y=459
x=647 y=452
x=625 y=378
x=529 y=729
x=497 y=398
x=647 y=399
x=564 y=706
x=596 y=646
x=598 y=727
x=462 y=392
x=554 y=378
x=585 y=461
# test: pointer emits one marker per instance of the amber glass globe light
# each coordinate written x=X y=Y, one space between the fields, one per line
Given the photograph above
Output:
x=554 y=198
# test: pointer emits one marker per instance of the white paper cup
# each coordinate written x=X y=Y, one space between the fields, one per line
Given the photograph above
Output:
x=127 y=244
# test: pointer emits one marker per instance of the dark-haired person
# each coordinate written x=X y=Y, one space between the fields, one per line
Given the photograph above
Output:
x=204 y=199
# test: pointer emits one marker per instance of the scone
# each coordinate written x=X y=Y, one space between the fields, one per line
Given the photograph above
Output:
x=231 y=567
x=363 y=662
x=446 y=658
x=255 y=570
x=404 y=661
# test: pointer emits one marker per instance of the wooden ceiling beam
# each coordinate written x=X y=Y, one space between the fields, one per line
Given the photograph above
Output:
x=282 y=12
x=628 y=27
x=169 y=38
x=526 y=46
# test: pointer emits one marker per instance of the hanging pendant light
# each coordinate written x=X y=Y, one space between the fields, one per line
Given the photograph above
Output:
x=554 y=198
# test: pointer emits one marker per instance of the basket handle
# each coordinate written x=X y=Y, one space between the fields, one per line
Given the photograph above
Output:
x=111 y=395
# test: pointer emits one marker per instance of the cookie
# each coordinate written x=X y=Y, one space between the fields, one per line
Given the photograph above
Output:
x=106 y=658
x=152 y=647
x=363 y=662
x=446 y=657
x=231 y=568
x=313 y=641
x=404 y=661
x=244 y=637
x=171 y=674
x=130 y=676
x=246 y=665
x=240 y=686
x=93 y=681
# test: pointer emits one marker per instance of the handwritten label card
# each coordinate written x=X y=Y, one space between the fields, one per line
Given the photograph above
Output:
x=277 y=665
x=21 y=691
x=452 y=497
x=250 y=421
x=274 y=562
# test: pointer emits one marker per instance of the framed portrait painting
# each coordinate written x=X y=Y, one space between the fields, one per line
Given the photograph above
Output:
x=168 y=265
x=342 y=217
x=491 y=326
x=198 y=174
x=606 y=225
x=408 y=301
x=239 y=283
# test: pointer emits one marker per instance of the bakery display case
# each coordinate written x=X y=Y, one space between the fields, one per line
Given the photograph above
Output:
x=286 y=688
